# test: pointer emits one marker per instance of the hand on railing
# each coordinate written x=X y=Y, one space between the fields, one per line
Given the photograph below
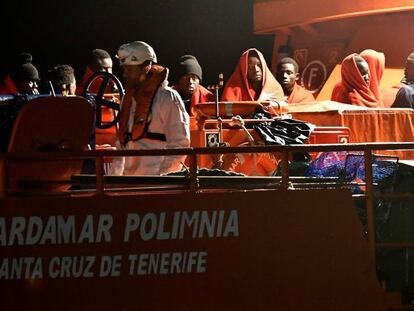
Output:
x=238 y=121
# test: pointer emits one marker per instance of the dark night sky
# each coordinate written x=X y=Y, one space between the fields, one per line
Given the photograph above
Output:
x=63 y=32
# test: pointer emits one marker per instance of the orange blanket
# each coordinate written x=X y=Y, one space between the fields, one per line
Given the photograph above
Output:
x=300 y=95
x=353 y=89
x=8 y=86
x=366 y=125
x=237 y=87
x=200 y=95
x=376 y=64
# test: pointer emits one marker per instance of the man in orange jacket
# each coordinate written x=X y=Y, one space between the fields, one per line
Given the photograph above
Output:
x=189 y=75
x=152 y=114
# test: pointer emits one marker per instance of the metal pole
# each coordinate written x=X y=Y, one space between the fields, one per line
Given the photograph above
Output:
x=3 y=163
x=217 y=103
x=370 y=203
x=194 y=184
x=285 y=170
x=99 y=175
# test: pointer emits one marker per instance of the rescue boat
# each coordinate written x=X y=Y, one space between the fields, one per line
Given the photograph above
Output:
x=229 y=242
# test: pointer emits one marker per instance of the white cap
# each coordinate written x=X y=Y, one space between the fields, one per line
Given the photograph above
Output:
x=135 y=53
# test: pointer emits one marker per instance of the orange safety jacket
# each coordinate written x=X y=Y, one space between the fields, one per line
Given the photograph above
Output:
x=8 y=86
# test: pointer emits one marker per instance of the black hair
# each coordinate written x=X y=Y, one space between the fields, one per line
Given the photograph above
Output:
x=98 y=54
x=253 y=53
x=188 y=64
x=23 y=68
x=60 y=75
x=358 y=58
x=288 y=60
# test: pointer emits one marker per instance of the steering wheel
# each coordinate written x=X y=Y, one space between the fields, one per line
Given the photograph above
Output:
x=104 y=78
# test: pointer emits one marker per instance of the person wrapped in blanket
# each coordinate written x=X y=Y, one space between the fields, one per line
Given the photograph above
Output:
x=287 y=75
x=360 y=80
x=252 y=80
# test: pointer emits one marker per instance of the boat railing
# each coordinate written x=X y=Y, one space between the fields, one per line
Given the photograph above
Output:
x=191 y=181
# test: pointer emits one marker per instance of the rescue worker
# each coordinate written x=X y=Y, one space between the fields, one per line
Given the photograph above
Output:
x=354 y=88
x=190 y=74
x=252 y=80
x=23 y=77
x=99 y=61
x=287 y=75
x=405 y=96
x=152 y=114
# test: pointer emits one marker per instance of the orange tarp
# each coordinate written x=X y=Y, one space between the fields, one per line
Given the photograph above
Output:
x=365 y=124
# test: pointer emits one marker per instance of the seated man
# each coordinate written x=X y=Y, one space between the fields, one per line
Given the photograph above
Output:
x=287 y=75
x=252 y=80
x=63 y=80
x=354 y=88
x=390 y=92
x=152 y=114
x=405 y=96
x=99 y=61
x=23 y=77
x=376 y=65
x=190 y=74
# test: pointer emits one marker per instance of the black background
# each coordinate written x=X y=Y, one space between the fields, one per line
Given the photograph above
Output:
x=63 y=32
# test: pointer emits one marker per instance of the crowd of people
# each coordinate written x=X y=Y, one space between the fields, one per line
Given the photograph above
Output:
x=155 y=115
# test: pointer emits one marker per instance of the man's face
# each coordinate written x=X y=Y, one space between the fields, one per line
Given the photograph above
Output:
x=187 y=84
x=134 y=75
x=287 y=76
x=27 y=87
x=72 y=87
x=409 y=70
x=254 y=70
x=104 y=64
x=363 y=69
